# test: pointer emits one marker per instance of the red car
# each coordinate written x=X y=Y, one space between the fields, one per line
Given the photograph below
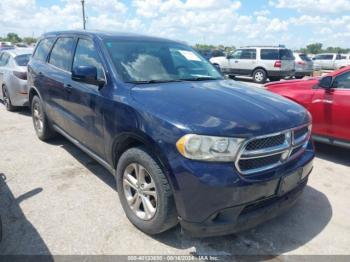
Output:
x=328 y=100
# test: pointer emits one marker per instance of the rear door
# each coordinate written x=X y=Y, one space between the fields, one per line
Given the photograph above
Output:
x=85 y=121
x=246 y=62
x=287 y=59
x=58 y=78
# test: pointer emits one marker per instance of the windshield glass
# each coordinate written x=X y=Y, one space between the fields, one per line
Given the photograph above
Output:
x=22 y=60
x=304 y=57
x=151 y=61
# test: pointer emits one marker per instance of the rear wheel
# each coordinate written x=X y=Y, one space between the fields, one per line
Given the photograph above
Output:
x=41 y=124
x=259 y=76
x=144 y=192
x=7 y=99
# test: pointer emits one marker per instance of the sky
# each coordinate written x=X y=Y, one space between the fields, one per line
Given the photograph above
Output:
x=294 y=23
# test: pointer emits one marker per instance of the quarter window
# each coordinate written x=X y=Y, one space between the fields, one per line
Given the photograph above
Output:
x=62 y=52
x=43 y=49
x=86 y=55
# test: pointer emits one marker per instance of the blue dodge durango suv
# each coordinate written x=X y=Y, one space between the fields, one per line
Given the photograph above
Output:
x=184 y=144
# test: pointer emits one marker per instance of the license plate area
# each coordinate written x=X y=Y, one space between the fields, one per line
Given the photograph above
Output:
x=290 y=182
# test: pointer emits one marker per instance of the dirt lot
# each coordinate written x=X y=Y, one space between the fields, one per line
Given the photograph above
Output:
x=57 y=200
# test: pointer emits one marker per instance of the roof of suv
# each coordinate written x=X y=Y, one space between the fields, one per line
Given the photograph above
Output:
x=106 y=34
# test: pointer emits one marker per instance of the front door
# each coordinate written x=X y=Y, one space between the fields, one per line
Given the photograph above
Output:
x=86 y=101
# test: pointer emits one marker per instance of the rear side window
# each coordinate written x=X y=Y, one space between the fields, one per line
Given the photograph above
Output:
x=4 y=59
x=269 y=54
x=62 y=53
x=43 y=49
x=304 y=57
x=22 y=60
x=286 y=54
x=248 y=54
x=86 y=55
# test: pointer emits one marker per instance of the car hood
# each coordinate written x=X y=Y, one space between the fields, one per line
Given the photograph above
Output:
x=222 y=108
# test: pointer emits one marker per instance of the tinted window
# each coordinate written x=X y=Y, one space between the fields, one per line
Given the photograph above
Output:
x=140 y=61
x=86 y=55
x=304 y=57
x=286 y=54
x=248 y=54
x=338 y=57
x=43 y=49
x=324 y=57
x=269 y=54
x=343 y=81
x=22 y=60
x=4 y=59
x=217 y=53
x=62 y=53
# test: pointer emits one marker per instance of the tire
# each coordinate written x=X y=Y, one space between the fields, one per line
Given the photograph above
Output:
x=259 y=76
x=41 y=124
x=273 y=79
x=163 y=215
x=7 y=100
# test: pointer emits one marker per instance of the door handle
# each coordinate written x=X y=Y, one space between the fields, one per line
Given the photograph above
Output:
x=236 y=61
x=68 y=88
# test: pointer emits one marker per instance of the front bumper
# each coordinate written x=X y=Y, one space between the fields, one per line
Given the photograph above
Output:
x=240 y=218
x=213 y=198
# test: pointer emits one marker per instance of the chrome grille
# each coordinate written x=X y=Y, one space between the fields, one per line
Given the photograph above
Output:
x=269 y=151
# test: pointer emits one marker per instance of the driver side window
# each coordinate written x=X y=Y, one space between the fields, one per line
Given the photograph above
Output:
x=343 y=81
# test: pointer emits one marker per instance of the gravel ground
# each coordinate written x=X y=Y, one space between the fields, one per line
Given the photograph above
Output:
x=54 y=199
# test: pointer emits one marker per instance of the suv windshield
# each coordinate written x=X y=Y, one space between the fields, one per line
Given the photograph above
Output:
x=151 y=61
x=22 y=60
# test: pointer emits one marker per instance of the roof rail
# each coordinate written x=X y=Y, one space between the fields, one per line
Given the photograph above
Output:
x=278 y=46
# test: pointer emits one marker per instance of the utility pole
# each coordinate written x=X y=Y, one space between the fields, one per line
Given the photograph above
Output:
x=84 y=20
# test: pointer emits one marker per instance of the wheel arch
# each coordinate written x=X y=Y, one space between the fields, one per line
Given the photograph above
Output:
x=31 y=93
x=127 y=140
x=259 y=67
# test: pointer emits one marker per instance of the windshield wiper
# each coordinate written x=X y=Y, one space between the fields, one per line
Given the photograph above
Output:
x=201 y=78
x=152 y=81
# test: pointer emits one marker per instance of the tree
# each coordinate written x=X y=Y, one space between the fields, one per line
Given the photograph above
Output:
x=29 y=40
x=13 y=37
x=315 y=48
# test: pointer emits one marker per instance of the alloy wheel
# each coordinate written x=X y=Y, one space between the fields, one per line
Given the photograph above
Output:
x=259 y=76
x=6 y=99
x=140 y=191
x=38 y=117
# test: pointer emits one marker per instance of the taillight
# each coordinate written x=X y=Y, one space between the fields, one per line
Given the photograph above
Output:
x=301 y=63
x=278 y=64
x=20 y=75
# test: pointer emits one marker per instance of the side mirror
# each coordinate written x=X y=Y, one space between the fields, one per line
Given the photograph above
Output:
x=88 y=75
x=229 y=56
x=326 y=82
x=314 y=58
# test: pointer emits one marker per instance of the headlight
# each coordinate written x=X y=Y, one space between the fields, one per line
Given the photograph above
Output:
x=209 y=148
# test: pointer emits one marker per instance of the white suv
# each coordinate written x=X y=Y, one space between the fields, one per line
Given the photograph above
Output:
x=260 y=62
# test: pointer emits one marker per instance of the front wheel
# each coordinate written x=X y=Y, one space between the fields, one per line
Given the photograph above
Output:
x=259 y=76
x=144 y=192
x=41 y=124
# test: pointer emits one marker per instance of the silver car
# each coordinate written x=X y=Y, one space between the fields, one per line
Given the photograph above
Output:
x=259 y=62
x=13 y=77
x=303 y=65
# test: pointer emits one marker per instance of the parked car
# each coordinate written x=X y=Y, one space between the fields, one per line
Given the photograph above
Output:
x=326 y=61
x=6 y=46
x=343 y=62
x=184 y=144
x=327 y=99
x=210 y=53
x=261 y=63
x=13 y=77
x=303 y=65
